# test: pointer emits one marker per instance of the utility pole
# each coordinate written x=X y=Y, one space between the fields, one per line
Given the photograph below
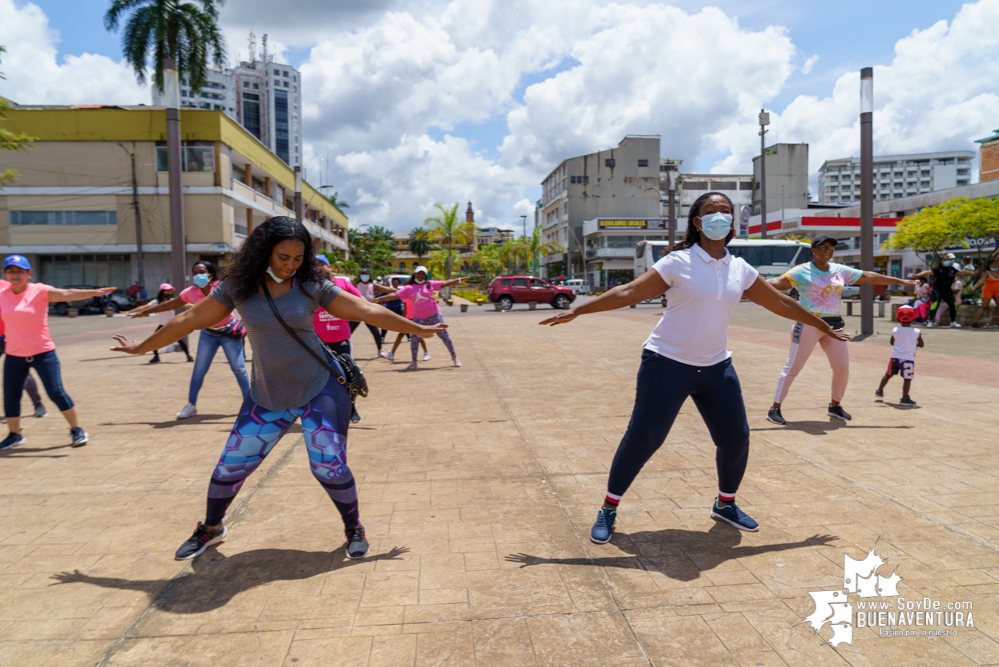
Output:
x=298 y=194
x=672 y=172
x=867 y=196
x=527 y=263
x=764 y=121
x=138 y=225
x=178 y=240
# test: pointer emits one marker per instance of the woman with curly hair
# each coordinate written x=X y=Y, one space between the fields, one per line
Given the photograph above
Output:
x=219 y=335
x=277 y=266
x=685 y=355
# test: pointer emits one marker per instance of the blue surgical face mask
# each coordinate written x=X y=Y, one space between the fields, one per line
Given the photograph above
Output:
x=202 y=279
x=716 y=226
x=272 y=275
x=365 y=277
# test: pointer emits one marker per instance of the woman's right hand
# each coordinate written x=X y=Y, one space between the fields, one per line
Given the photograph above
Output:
x=126 y=345
x=428 y=331
x=137 y=312
x=838 y=334
x=564 y=317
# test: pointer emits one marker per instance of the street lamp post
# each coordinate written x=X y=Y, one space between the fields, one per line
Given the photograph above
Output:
x=178 y=241
x=527 y=266
x=867 y=197
x=764 y=121
x=672 y=172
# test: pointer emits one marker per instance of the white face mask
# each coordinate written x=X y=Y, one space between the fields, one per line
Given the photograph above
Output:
x=419 y=281
x=276 y=279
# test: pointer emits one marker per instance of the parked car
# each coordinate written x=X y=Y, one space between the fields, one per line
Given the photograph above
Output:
x=508 y=290
x=94 y=305
x=578 y=285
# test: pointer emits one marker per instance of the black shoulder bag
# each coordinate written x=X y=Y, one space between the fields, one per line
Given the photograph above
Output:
x=355 y=382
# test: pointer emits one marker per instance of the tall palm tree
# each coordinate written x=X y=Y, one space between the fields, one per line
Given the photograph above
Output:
x=419 y=244
x=446 y=229
x=532 y=248
x=336 y=201
x=184 y=30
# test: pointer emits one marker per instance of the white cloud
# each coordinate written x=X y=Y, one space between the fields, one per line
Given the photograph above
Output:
x=809 y=64
x=35 y=75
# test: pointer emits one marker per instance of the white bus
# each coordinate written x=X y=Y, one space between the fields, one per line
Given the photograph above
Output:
x=771 y=257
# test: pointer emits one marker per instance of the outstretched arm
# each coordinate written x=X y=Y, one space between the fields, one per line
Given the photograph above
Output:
x=349 y=307
x=763 y=294
x=780 y=283
x=648 y=286
x=206 y=313
x=872 y=278
x=171 y=304
x=453 y=281
x=57 y=294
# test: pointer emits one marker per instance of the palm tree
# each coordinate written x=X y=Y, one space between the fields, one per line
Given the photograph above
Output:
x=183 y=30
x=419 y=244
x=336 y=201
x=446 y=229
x=532 y=248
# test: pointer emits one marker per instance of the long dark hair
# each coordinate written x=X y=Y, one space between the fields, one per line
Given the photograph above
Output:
x=693 y=234
x=249 y=265
x=412 y=279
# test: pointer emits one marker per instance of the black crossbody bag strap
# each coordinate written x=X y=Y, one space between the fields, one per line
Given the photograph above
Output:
x=270 y=301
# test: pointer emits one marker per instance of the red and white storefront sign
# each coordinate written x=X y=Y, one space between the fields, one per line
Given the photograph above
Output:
x=824 y=225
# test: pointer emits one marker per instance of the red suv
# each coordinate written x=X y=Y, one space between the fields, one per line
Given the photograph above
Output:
x=526 y=289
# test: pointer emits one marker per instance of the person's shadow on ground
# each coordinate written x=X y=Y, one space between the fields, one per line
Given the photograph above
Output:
x=821 y=428
x=677 y=553
x=218 y=578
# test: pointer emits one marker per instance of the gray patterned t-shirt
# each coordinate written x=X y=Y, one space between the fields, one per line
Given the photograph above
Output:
x=284 y=374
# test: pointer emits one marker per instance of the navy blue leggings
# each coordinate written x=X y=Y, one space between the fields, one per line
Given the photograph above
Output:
x=15 y=371
x=663 y=386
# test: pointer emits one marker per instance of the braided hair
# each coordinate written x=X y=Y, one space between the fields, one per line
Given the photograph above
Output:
x=693 y=235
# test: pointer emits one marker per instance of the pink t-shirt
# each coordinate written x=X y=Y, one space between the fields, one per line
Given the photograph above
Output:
x=329 y=328
x=422 y=298
x=193 y=295
x=26 y=319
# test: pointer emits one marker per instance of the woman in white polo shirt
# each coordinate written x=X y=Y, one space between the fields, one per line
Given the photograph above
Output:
x=685 y=355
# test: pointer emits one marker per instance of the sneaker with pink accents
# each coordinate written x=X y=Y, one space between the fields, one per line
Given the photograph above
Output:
x=412 y=366
x=426 y=356
x=457 y=361
x=385 y=355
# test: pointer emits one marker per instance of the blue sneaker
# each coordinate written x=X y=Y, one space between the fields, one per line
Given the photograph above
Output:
x=603 y=527
x=730 y=513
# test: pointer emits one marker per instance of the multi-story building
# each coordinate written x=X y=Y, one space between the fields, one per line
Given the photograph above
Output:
x=787 y=178
x=492 y=235
x=988 y=157
x=72 y=211
x=738 y=187
x=895 y=176
x=621 y=182
x=263 y=96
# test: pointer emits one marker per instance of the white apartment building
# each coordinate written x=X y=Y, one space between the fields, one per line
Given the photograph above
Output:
x=738 y=188
x=263 y=96
x=895 y=176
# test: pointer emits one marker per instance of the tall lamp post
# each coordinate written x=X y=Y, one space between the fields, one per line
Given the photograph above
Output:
x=764 y=121
x=672 y=172
x=527 y=263
x=867 y=196
x=178 y=241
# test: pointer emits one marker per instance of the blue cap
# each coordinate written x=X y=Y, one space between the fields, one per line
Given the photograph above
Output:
x=322 y=258
x=17 y=260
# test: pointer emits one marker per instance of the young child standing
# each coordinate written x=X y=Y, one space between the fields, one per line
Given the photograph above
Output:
x=904 y=339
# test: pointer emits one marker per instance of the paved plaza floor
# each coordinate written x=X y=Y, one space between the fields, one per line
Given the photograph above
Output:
x=478 y=487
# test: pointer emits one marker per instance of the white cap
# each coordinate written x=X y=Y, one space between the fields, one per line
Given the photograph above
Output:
x=950 y=255
x=420 y=268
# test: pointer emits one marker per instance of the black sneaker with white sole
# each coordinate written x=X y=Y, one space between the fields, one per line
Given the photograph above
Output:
x=774 y=416
x=40 y=411
x=80 y=437
x=357 y=546
x=838 y=412
x=11 y=440
x=201 y=540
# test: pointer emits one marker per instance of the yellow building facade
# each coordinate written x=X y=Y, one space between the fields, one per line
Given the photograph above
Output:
x=72 y=209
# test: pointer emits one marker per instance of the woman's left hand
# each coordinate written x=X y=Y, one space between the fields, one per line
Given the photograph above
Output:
x=564 y=317
x=428 y=331
x=838 y=334
x=908 y=283
x=125 y=345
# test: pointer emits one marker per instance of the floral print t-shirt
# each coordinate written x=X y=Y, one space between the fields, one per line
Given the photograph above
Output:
x=819 y=291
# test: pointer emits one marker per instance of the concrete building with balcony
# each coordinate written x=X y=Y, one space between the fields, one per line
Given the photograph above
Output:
x=610 y=247
x=895 y=176
x=787 y=178
x=620 y=182
x=738 y=188
x=72 y=210
x=988 y=157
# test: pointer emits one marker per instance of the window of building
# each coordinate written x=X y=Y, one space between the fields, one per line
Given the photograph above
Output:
x=723 y=185
x=281 y=144
x=65 y=270
x=610 y=162
x=897 y=195
x=251 y=114
x=63 y=218
x=194 y=158
x=695 y=185
x=745 y=185
x=924 y=184
x=579 y=180
x=643 y=163
x=924 y=172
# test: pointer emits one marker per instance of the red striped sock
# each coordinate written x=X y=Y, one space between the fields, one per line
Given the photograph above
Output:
x=726 y=498
x=611 y=499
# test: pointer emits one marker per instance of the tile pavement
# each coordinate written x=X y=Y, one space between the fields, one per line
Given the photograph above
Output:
x=478 y=486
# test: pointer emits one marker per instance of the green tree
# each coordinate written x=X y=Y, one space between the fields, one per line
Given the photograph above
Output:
x=960 y=222
x=419 y=243
x=186 y=31
x=490 y=261
x=532 y=248
x=336 y=201
x=10 y=141
x=448 y=231
x=373 y=249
